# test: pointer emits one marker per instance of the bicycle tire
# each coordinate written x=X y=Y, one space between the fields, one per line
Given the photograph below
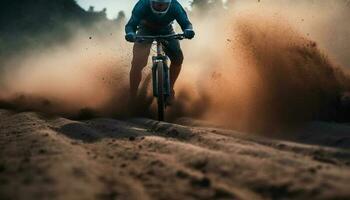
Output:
x=160 y=88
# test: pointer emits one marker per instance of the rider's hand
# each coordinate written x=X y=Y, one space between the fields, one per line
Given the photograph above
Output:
x=130 y=37
x=189 y=33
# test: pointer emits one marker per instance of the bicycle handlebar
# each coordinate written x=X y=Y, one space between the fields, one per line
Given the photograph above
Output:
x=140 y=38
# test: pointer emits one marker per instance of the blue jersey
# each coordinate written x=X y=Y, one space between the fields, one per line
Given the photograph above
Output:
x=144 y=19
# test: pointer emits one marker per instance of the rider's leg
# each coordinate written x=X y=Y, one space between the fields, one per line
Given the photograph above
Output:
x=173 y=50
x=141 y=52
x=175 y=68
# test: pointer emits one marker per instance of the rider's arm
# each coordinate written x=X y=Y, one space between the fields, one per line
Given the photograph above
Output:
x=182 y=18
x=135 y=19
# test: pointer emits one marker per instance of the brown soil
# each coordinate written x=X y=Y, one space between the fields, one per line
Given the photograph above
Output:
x=45 y=157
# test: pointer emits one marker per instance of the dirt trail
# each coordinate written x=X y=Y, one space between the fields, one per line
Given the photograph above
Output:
x=55 y=158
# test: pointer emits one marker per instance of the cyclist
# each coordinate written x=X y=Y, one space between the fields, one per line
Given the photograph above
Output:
x=155 y=17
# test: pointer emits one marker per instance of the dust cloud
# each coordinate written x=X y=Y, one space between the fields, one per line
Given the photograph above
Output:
x=82 y=74
x=263 y=68
x=255 y=67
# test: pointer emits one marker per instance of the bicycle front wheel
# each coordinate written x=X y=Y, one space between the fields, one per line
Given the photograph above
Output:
x=160 y=88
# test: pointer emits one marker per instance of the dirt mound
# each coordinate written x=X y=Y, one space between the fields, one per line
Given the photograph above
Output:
x=143 y=159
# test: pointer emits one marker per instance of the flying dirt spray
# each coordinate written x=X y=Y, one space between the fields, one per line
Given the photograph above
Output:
x=263 y=72
x=258 y=71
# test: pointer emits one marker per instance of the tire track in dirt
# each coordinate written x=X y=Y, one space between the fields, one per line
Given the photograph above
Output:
x=49 y=157
x=267 y=162
x=40 y=163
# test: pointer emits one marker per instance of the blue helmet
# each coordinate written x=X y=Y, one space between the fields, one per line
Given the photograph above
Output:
x=160 y=7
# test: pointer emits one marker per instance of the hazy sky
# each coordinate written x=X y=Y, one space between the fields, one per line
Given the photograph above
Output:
x=114 y=6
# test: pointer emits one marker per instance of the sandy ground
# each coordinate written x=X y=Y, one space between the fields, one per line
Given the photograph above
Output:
x=55 y=158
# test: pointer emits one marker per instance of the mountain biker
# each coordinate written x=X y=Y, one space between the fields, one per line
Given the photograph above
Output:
x=155 y=17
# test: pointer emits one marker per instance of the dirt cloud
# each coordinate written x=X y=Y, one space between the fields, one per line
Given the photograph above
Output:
x=264 y=72
x=84 y=73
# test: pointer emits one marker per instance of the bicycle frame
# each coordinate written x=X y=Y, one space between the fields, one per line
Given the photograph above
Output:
x=160 y=70
x=160 y=57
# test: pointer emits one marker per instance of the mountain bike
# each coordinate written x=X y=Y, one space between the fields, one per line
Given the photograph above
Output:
x=160 y=70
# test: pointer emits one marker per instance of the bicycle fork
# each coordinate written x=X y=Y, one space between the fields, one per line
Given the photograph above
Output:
x=155 y=78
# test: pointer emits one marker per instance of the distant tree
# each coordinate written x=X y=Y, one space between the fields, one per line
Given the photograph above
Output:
x=91 y=9
x=203 y=7
x=200 y=5
x=39 y=23
x=104 y=12
x=120 y=19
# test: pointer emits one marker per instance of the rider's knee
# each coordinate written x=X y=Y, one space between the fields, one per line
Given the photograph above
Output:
x=177 y=59
x=138 y=64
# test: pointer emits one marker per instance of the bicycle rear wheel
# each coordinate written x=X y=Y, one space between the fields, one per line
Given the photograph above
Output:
x=160 y=88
